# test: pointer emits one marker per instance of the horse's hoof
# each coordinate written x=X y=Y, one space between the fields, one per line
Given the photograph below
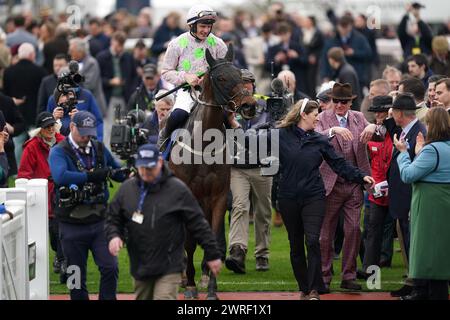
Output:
x=190 y=293
x=204 y=281
x=212 y=296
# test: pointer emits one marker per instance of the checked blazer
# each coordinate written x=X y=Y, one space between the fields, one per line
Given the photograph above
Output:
x=356 y=122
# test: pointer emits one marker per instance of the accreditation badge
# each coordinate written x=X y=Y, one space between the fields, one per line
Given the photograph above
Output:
x=138 y=217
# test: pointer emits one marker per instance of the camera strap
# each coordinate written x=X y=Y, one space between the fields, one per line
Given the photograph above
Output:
x=80 y=160
x=72 y=152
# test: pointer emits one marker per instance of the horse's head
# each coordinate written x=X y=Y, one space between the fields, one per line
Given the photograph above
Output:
x=228 y=87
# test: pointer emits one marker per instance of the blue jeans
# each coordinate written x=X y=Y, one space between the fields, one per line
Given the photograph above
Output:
x=76 y=241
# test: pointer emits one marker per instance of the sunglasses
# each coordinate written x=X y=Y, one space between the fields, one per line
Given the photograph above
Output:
x=49 y=127
x=342 y=101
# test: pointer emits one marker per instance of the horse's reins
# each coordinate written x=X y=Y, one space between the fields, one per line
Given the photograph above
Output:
x=222 y=96
x=222 y=106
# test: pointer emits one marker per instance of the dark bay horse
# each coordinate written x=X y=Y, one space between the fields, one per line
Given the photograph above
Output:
x=222 y=90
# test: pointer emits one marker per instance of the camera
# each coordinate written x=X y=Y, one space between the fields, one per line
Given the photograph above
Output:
x=73 y=195
x=69 y=105
x=280 y=102
x=68 y=84
x=127 y=135
x=69 y=80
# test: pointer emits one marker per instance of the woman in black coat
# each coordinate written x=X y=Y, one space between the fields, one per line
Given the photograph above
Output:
x=301 y=194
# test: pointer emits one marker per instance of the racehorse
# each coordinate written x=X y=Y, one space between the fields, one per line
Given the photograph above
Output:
x=222 y=93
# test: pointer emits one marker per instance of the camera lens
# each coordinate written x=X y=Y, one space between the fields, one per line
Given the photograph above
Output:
x=77 y=78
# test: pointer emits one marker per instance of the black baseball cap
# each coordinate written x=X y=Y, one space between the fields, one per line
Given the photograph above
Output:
x=44 y=120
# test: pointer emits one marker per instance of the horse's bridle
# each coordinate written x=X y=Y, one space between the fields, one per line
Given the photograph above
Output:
x=224 y=101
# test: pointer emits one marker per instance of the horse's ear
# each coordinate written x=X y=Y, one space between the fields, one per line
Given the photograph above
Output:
x=209 y=58
x=230 y=53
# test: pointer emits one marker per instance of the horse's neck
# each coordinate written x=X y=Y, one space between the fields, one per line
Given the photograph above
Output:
x=212 y=118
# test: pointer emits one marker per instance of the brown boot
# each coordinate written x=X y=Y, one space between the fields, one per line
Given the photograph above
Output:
x=277 y=221
x=236 y=260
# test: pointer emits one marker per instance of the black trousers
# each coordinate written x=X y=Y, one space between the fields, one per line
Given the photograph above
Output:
x=55 y=243
x=387 y=247
x=77 y=241
x=374 y=240
x=303 y=220
x=405 y=228
x=434 y=289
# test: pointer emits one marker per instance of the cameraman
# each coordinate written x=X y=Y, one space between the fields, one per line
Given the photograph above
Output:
x=64 y=105
x=249 y=186
x=84 y=164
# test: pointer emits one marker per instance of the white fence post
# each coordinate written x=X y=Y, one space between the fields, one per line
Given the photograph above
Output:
x=14 y=252
x=37 y=216
x=36 y=196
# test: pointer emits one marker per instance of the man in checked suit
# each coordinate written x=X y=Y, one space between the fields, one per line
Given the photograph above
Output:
x=345 y=128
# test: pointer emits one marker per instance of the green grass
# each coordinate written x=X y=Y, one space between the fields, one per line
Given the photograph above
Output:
x=278 y=278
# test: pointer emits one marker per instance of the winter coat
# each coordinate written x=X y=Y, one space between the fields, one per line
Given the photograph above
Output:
x=34 y=164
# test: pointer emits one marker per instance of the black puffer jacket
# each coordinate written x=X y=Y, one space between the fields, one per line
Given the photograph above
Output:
x=156 y=246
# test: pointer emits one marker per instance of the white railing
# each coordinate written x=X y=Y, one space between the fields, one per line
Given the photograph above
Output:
x=33 y=195
x=13 y=252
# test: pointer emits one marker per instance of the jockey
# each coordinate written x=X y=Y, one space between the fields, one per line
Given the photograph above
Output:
x=184 y=62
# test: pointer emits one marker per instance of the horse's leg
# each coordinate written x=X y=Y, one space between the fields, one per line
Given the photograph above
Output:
x=191 y=290
x=204 y=281
x=217 y=223
x=183 y=275
x=205 y=275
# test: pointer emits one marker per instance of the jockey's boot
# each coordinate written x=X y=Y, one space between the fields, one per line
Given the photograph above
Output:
x=162 y=140
x=175 y=120
x=236 y=260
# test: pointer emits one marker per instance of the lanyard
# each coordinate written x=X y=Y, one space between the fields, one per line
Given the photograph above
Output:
x=144 y=191
x=80 y=159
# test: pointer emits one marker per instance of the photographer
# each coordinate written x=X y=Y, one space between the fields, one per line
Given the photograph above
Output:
x=249 y=186
x=80 y=167
x=64 y=105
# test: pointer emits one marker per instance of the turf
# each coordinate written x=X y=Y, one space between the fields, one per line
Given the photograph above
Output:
x=278 y=278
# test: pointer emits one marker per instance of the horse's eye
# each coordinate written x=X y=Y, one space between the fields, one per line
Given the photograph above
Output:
x=221 y=78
